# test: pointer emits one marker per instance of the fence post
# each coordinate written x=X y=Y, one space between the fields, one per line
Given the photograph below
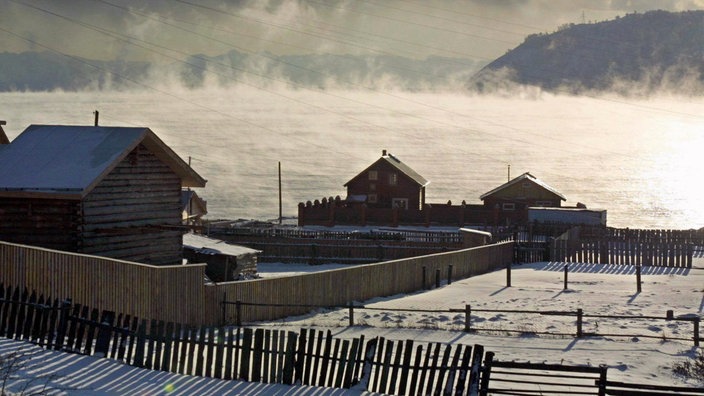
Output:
x=579 y=322
x=486 y=373
x=224 y=304
x=638 y=287
x=602 y=379
x=424 y=277
x=437 y=278
x=351 y=308
x=449 y=275
x=696 y=331
x=467 y=318
x=238 y=313
x=508 y=275
x=566 y=270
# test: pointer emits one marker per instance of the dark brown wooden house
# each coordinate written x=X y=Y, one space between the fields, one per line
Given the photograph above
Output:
x=107 y=191
x=388 y=183
x=511 y=200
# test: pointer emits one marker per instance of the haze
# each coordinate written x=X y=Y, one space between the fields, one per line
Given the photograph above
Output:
x=139 y=30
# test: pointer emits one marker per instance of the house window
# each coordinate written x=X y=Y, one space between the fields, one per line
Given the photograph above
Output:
x=372 y=186
x=371 y=198
x=393 y=179
x=544 y=204
x=372 y=175
x=401 y=203
x=509 y=206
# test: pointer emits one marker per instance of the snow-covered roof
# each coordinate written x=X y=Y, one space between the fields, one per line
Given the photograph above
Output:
x=71 y=160
x=525 y=176
x=398 y=164
x=205 y=245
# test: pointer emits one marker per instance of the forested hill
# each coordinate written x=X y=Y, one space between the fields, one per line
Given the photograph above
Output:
x=654 y=51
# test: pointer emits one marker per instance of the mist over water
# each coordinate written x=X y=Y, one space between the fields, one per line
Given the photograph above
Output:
x=639 y=159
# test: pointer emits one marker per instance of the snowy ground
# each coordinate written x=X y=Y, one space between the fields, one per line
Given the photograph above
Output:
x=596 y=289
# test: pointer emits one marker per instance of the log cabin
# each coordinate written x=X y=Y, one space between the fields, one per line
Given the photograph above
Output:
x=510 y=201
x=106 y=191
x=388 y=183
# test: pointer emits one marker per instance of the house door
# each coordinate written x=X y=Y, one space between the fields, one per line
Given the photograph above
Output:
x=401 y=203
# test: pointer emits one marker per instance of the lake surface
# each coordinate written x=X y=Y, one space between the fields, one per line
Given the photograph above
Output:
x=639 y=159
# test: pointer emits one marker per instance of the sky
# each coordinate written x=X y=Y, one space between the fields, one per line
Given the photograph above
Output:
x=162 y=30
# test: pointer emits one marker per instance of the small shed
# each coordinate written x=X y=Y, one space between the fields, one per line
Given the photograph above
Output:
x=388 y=183
x=225 y=262
x=107 y=191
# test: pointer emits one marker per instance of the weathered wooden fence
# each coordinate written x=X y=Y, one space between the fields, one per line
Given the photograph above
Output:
x=180 y=294
x=629 y=247
x=310 y=357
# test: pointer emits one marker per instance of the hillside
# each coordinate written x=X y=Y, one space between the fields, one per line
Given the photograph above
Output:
x=46 y=71
x=657 y=50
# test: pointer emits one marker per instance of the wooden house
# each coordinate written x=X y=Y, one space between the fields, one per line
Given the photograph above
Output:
x=388 y=183
x=107 y=191
x=510 y=201
x=193 y=207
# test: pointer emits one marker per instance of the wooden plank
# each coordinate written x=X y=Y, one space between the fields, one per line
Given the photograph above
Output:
x=209 y=352
x=168 y=340
x=359 y=361
x=431 y=369
x=102 y=341
x=91 y=331
x=442 y=370
x=415 y=371
x=229 y=352
x=324 y=365
x=290 y=358
x=140 y=344
x=177 y=339
x=341 y=363
x=266 y=371
x=220 y=342
x=406 y=367
x=396 y=367
x=246 y=354
x=188 y=358
x=310 y=358
x=463 y=371
x=477 y=355
x=30 y=310
x=20 y=315
x=257 y=357
x=333 y=363
x=351 y=364
x=300 y=358
x=73 y=322
x=453 y=370
x=151 y=344
x=314 y=377
x=386 y=366
x=280 y=357
x=381 y=344
x=200 y=351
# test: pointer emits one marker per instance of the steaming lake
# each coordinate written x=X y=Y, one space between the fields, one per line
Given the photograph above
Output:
x=639 y=159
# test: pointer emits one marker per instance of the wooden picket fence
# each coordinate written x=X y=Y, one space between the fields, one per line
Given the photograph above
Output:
x=311 y=357
x=627 y=247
